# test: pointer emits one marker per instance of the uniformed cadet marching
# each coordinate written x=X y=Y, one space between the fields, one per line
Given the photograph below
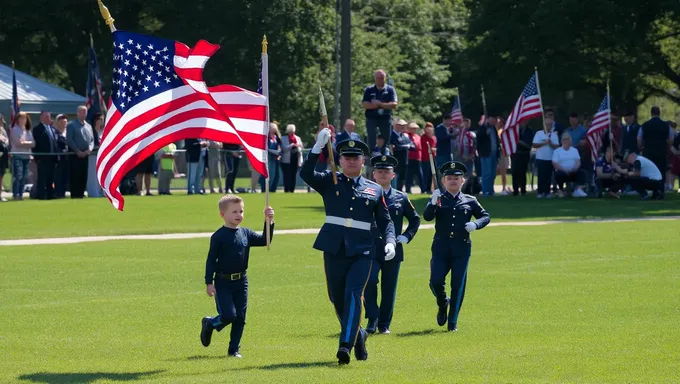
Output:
x=451 y=246
x=345 y=238
x=399 y=207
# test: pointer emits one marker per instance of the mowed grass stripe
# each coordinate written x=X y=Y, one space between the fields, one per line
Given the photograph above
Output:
x=566 y=303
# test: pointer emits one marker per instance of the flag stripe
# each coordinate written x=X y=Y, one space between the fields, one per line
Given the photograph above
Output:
x=528 y=106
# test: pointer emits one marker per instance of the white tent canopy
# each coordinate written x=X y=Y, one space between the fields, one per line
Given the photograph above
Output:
x=35 y=95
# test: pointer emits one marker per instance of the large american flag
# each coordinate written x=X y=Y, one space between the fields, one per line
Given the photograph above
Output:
x=159 y=97
x=598 y=126
x=456 y=112
x=528 y=106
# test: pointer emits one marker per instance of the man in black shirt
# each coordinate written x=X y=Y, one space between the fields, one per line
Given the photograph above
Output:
x=520 y=160
x=225 y=271
x=654 y=139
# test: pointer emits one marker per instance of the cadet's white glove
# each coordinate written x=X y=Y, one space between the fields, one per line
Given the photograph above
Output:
x=321 y=140
x=402 y=239
x=470 y=226
x=389 y=252
x=435 y=196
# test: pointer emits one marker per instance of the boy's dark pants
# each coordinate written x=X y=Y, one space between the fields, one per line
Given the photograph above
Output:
x=231 y=299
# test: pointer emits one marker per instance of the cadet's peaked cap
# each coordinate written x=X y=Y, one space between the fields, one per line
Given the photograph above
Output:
x=453 y=168
x=384 y=162
x=352 y=148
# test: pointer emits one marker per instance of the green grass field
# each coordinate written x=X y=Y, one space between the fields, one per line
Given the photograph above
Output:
x=566 y=303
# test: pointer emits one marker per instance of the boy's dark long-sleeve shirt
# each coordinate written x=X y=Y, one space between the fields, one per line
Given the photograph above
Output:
x=230 y=250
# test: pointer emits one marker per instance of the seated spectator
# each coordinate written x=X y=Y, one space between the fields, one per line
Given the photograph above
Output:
x=567 y=163
x=610 y=176
x=644 y=176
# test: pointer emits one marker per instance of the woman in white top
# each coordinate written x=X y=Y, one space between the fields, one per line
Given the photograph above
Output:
x=545 y=142
x=291 y=158
x=567 y=163
x=22 y=142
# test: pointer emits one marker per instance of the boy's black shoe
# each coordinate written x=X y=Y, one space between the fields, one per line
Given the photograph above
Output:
x=235 y=354
x=360 y=351
x=384 y=330
x=206 y=331
x=342 y=355
x=441 y=314
x=453 y=327
x=372 y=325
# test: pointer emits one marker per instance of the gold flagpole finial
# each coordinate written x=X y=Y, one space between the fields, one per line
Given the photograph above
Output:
x=12 y=64
x=106 y=15
x=535 y=69
x=264 y=44
x=91 y=41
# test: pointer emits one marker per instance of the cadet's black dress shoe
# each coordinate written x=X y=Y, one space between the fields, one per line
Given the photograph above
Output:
x=442 y=313
x=372 y=325
x=360 y=351
x=206 y=331
x=453 y=327
x=343 y=355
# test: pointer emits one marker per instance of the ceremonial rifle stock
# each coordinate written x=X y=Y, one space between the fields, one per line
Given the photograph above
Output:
x=329 y=145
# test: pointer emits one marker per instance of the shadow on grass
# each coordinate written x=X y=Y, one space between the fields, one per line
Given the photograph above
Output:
x=274 y=367
x=85 y=377
x=200 y=357
x=417 y=333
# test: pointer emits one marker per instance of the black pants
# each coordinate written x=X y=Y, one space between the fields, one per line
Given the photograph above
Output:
x=45 y=181
x=611 y=184
x=414 y=171
x=563 y=177
x=520 y=163
x=231 y=300
x=61 y=178
x=545 y=171
x=642 y=184
x=661 y=162
x=77 y=176
x=401 y=168
x=232 y=164
x=290 y=172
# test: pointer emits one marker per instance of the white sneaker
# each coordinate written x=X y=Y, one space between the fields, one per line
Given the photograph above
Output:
x=579 y=193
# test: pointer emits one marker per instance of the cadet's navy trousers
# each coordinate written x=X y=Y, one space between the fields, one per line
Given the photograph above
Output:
x=388 y=292
x=231 y=299
x=450 y=255
x=346 y=279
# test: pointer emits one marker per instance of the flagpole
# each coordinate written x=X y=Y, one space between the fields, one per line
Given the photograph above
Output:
x=483 y=105
x=609 y=123
x=538 y=88
x=106 y=15
x=265 y=93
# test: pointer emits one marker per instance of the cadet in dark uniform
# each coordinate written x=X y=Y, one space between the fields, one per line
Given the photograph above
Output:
x=399 y=207
x=225 y=271
x=345 y=238
x=451 y=246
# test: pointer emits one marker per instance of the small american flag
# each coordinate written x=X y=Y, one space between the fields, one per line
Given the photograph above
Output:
x=528 y=106
x=456 y=112
x=159 y=97
x=597 y=127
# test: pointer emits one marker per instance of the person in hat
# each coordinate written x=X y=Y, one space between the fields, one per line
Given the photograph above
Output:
x=380 y=317
x=351 y=205
x=644 y=176
x=451 y=247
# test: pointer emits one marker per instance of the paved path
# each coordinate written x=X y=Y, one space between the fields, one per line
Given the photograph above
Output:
x=307 y=231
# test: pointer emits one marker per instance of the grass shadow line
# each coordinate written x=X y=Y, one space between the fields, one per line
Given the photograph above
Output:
x=85 y=377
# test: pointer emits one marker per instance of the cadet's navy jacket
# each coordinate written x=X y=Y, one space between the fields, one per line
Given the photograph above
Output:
x=399 y=206
x=452 y=213
x=350 y=211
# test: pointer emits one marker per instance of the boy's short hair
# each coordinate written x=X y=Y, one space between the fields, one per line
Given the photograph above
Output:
x=226 y=199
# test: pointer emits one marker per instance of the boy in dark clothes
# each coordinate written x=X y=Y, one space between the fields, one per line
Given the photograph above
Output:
x=225 y=271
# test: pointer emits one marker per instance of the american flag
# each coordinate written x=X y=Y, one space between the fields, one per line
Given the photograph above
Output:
x=16 y=105
x=456 y=113
x=95 y=99
x=528 y=106
x=159 y=97
x=597 y=127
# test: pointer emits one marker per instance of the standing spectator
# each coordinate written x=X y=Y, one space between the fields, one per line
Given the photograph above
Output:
x=488 y=147
x=645 y=175
x=380 y=147
x=400 y=146
x=545 y=141
x=348 y=132
x=503 y=161
x=443 y=134
x=675 y=158
x=630 y=133
x=143 y=172
x=567 y=163
x=45 y=156
x=427 y=141
x=414 y=170
x=521 y=158
x=195 y=166
x=213 y=166
x=21 y=140
x=549 y=113
x=4 y=154
x=655 y=137
x=232 y=160
x=80 y=139
x=379 y=100
x=61 y=173
x=274 y=158
x=578 y=141
x=93 y=187
x=670 y=175
x=291 y=145
x=468 y=147
x=167 y=169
